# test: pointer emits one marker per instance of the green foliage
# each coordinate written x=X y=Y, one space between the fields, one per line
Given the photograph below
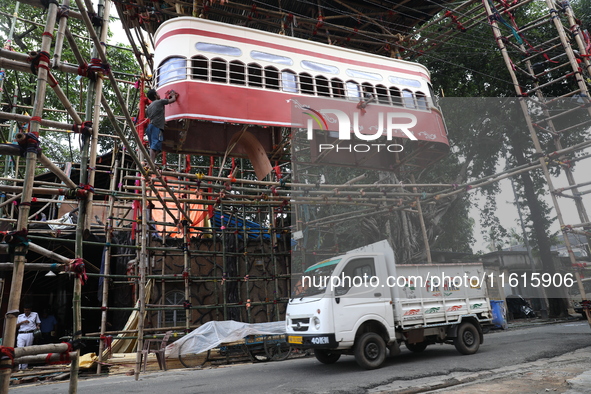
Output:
x=60 y=146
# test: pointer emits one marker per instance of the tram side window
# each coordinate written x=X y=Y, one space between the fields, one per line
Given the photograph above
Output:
x=422 y=101
x=322 y=86
x=368 y=91
x=382 y=93
x=289 y=81
x=408 y=99
x=338 y=88
x=395 y=96
x=353 y=90
x=219 y=70
x=255 y=75
x=271 y=78
x=306 y=83
x=237 y=73
x=172 y=69
x=199 y=66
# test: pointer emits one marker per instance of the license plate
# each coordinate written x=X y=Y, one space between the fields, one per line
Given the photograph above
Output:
x=296 y=340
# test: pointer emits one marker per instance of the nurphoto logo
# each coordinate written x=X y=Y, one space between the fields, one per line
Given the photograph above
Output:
x=389 y=124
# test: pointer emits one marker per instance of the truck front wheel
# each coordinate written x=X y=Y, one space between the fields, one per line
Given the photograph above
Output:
x=327 y=356
x=468 y=339
x=370 y=350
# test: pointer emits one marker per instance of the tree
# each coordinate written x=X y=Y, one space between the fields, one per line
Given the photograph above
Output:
x=496 y=130
x=27 y=38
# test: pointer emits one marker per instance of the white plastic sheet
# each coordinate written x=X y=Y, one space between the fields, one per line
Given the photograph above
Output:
x=213 y=333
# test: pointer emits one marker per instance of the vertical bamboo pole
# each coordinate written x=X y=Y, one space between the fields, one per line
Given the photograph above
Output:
x=144 y=239
x=85 y=208
x=107 y=269
x=9 y=336
x=59 y=37
x=8 y=159
x=224 y=265
x=96 y=116
x=187 y=271
x=245 y=257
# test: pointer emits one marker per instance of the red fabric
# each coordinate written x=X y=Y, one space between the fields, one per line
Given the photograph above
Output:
x=77 y=266
x=6 y=351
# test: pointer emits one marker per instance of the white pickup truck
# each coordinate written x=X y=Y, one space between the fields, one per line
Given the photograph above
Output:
x=362 y=303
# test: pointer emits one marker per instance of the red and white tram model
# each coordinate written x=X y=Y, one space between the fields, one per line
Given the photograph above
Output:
x=230 y=76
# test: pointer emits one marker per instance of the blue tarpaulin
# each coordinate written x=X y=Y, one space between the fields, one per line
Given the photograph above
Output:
x=232 y=223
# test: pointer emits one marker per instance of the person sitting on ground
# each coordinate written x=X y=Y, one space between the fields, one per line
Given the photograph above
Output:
x=155 y=112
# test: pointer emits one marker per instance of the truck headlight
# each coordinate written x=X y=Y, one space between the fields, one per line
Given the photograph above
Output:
x=316 y=322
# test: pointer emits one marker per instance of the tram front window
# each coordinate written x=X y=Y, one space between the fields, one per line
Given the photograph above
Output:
x=172 y=69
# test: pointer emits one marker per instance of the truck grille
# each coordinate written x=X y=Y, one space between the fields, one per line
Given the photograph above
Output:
x=300 y=324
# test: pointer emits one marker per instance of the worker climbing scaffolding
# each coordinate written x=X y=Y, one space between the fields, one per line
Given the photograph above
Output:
x=155 y=112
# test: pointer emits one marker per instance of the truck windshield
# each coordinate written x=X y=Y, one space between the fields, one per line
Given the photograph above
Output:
x=315 y=279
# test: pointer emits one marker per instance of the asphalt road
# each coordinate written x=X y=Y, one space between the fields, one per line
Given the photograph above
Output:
x=306 y=375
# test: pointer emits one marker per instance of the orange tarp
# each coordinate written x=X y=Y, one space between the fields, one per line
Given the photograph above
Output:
x=197 y=213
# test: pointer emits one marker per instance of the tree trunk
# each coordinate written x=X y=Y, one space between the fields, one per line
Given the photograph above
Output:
x=556 y=303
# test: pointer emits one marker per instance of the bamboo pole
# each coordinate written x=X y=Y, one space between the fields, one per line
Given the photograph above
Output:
x=107 y=269
x=96 y=116
x=142 y=282
x=52 y=357
x=9 y=336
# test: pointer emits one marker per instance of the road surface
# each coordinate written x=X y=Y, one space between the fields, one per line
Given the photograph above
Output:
x=307 y=375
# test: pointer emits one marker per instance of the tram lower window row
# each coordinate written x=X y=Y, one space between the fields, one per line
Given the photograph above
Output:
x=254 y=75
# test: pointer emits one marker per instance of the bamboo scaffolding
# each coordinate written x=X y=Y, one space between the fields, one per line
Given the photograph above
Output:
x=260 y=199
x=9 y=336
x=558 y=24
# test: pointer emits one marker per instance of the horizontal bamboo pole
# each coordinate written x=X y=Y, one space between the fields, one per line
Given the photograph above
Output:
x=39 y=349
x=46 y=358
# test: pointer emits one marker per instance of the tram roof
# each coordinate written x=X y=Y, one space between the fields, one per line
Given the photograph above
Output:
x=370 y=26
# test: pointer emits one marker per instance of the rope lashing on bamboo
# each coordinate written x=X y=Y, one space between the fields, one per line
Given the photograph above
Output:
x=31 y=142
x=96 y=68
x=496 y=16
x=63 y=12
x=85 y=128
x=319 y=24
x=108 y=341
x=77 y=267
x=36 y=58
x=65 y=355
x=96 y=20
x=81 y=192
x=559 y=192
x=7 y=352
x=454 y=19
x=17 y=238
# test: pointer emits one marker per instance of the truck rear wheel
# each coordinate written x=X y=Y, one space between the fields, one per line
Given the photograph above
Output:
x=370 y=350
x=326 y=356
x=468 y=339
